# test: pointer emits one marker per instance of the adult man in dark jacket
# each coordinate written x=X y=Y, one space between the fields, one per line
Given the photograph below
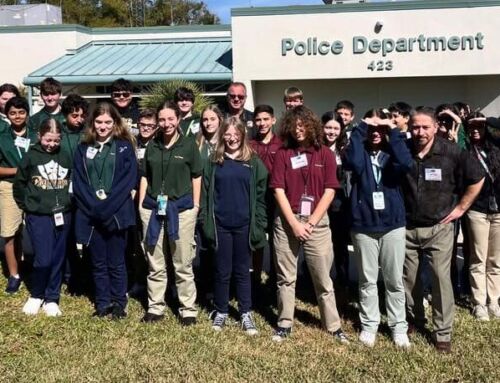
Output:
x=441 y=175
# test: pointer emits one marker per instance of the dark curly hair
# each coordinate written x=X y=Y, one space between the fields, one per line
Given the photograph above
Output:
x=311 y=122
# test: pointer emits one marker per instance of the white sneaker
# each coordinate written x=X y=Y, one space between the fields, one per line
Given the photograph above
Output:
x=51 y=309
x=481 y=313
x=367 y=338
x=494 y=310
x=32 y=306
x=401 y=340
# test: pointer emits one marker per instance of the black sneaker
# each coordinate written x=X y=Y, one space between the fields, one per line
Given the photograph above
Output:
x=118 y=312
x=151 y=318
x=102 y=313
x=247 y=324
x=218 y=320
x=188 y=321
x=13 y=285
x=281 y=333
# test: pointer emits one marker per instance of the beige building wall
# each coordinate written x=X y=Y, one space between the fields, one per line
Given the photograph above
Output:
x=321 y=95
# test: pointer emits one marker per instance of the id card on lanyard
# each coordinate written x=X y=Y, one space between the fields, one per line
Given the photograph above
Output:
x=306 y=202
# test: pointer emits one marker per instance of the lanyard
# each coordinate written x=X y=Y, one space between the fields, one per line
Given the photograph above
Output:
x=376 y=168
x=54 y=184
x=307 y=175
x=483 y=164
x=99 y=174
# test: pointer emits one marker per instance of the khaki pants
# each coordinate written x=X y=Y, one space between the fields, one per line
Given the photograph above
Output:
x=182 y=251
x=12 y=215
x=318 y=253
x=436 y=244
x=484 y=236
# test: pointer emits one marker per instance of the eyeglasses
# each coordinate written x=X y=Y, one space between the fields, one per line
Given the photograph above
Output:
x=147 y=126
x=121 y=94
x=236 y=96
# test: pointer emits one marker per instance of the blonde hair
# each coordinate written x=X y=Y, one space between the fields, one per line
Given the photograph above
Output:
x=120 y=131
x=245 y=148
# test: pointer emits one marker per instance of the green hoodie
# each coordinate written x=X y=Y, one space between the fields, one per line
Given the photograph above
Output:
x=70 y=140
x=258 y=214
x=36 y=120
x=41 y=178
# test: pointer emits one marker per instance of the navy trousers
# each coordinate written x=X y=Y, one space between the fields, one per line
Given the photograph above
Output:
x=232 y=258
x=49 y=246
x=109 y=272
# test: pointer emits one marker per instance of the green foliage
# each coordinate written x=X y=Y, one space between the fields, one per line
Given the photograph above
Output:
x=123 y=13
x=160 y=92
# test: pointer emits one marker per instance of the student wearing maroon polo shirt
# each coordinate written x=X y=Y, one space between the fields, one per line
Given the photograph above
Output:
x=304 y=183
x=266 y=144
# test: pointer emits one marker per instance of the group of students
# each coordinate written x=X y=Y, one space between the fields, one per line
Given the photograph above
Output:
x=232 y=184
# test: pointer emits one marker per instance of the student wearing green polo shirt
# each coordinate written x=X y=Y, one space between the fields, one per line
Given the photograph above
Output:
x=169 y=198
x=74 y=109
x=184 y=98
x=7 y=91
x=51 y=91
x=14 y=143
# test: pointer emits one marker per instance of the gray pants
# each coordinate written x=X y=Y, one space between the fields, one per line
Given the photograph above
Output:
x=435 y=243
x=386 y=250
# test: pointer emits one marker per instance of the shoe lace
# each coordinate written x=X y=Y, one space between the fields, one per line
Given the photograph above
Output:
x=247 y=321
x=219 y=320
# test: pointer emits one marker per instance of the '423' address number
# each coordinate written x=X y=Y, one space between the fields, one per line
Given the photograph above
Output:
x=380 y=66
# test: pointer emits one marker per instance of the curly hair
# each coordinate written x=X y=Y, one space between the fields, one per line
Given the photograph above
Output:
x=312 y=125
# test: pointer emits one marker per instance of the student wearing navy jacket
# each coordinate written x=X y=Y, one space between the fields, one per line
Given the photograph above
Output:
x=105 y=173
x=378 y=165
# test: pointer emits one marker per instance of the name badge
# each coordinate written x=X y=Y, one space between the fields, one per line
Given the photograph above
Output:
x=299 y=161
x=195 y=128
x=306 y=204
x=162 y=201
x=433 y=175
x=22 y=142
x=70 y=187
x=59 y=219
x=140 y=153
x=91 y=152
x=338 y=159
x=378 y=200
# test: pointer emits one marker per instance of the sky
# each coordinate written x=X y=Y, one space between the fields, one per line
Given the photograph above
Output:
x=222 y=8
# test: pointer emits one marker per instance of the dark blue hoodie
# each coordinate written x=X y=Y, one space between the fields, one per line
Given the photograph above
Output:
x=365 y=219
x=117 y=211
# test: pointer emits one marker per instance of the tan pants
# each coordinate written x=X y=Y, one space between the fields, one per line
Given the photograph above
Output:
x=435 y=243
x=318 y=253
x=183 y=252
x=12 y=215
x=484 y=235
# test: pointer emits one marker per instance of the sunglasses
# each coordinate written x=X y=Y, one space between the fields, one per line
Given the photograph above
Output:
x=236 y=96
x=121 y=94
x=146 y=126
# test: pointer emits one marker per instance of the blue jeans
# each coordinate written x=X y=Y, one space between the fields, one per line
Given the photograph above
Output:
x=232 y=257
x=49 y=245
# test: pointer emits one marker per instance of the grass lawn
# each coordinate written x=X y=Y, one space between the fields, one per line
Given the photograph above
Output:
x=79 y=348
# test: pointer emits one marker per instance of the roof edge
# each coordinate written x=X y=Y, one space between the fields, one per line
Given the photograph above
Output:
x=107 y=31
x=362 y=7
